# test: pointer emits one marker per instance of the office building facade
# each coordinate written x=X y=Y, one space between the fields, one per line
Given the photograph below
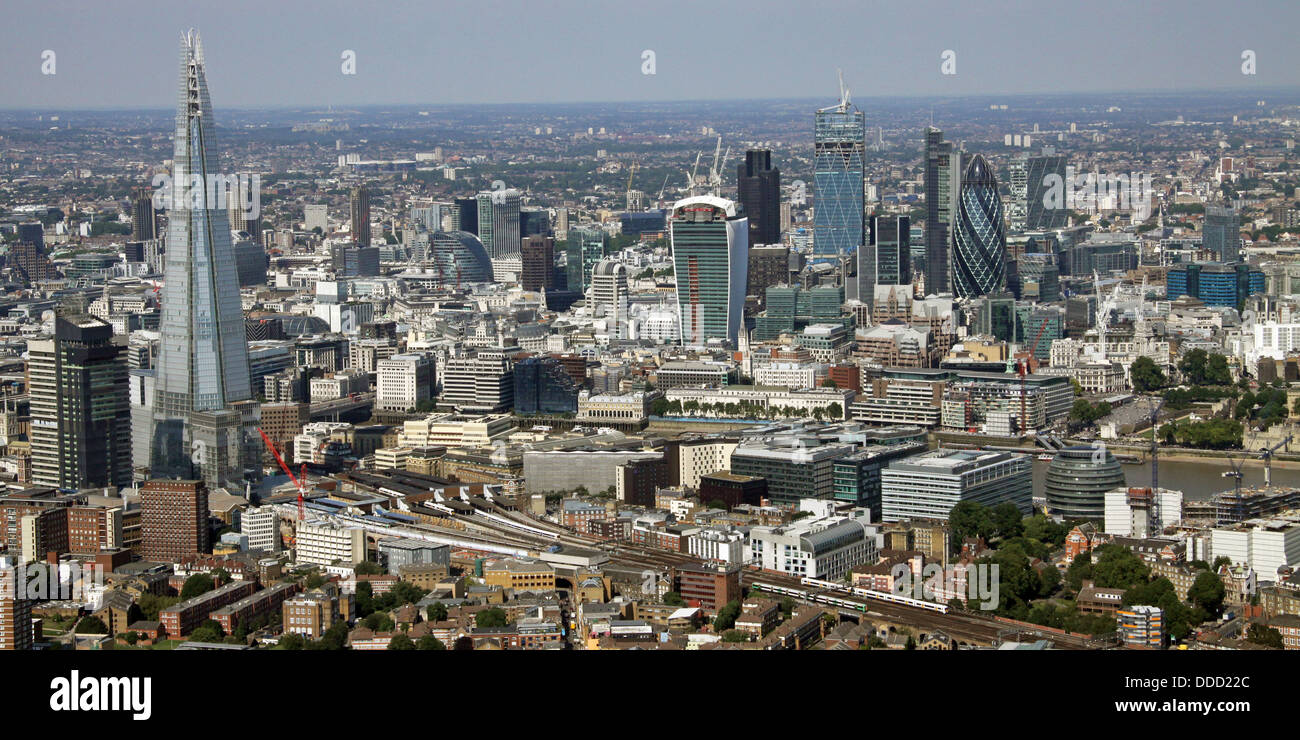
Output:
x=758 y=188
x=839 y=146
x=709 y=237
x=80 y=405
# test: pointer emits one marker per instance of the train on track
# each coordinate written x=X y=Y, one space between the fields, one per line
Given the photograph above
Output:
x=816 y=591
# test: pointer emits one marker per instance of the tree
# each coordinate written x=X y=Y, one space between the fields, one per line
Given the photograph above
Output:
x=493 y=617
x=336 y=637
x=1007 y=520
x=400 y=641
x=379 y=622
x=1207 y=592
x=209 y=631
x=1042 y=528
x=91 y=626
x=130 y=638
x=970 y=519
x=151 y=604
x=1146 y=375
x=1118 y=567
x=1080 y=570
x=429 y=642
x=735 y=636
x=672 y=598
x=368 y=568
x=659 y=407
x=436 y=612
x=1262 y=634
x=196 y=585
x=726 y=618
x=292 y=641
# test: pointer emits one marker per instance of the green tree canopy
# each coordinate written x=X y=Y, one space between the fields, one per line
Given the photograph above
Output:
x=197 y=585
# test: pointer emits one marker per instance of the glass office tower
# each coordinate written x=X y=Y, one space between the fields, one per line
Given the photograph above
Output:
x=942 y=184
x=979 y=257
x=204 y=395
x=838 y=147
x=710 y=243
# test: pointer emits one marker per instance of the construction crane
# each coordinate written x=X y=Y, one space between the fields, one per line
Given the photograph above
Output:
x=299 y=481
x=1023 y=368
x=1235 y=473
x=630 y=173
x=1157 y=403
x=1267 y=454
x=1033 y=345
x=1024 y=416
x=663 y=188
x=715 y=172
x=690 y=176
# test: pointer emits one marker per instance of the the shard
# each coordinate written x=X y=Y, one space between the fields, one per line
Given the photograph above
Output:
x=204 y=405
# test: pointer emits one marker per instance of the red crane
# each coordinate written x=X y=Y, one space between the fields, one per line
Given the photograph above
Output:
x=1023 y=367
x=301 y=482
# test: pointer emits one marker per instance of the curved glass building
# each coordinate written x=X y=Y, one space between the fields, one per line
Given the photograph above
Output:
x=979 y=255
x=1078 y=479
x=460 y=257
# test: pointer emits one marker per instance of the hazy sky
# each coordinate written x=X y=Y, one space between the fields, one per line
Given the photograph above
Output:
x=286 y=52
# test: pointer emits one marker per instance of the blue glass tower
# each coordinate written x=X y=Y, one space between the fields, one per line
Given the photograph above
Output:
x=839 y=145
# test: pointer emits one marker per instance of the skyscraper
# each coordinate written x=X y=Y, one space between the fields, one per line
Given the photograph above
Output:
x=498 y=222
x=887 y=258
x=839 y=145
x=360 y=215
x=609 y=296
x=585 y=247
x=543 y=386
x=942 y=184
x=143 y=221
x=537 y=258
x=1222 y=233
x=81 y=414
x=239 y=220
x=758 y=188
x=1037 y=214
x=979 y=256
x=204 y=394
x=709 y=237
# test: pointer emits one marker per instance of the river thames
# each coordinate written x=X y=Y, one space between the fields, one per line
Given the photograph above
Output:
x=1197 y=479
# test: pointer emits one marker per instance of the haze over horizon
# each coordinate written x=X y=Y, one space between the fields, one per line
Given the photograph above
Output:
x=508 y=51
